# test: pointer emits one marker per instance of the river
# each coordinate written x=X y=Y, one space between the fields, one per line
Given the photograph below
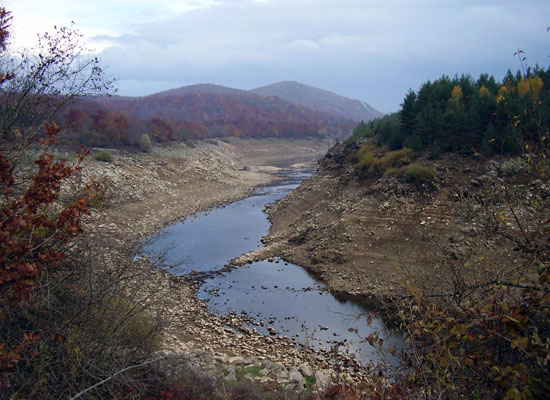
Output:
x=276 y=298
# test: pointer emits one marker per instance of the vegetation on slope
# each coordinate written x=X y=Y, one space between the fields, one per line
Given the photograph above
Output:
x=191 y=113
x=468 y=116
x=321 y=100
x=489 y=338
x=71 y=326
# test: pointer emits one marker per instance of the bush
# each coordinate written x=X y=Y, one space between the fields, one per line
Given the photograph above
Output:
x=103 y=156
x=373 y=161
x=420 y=175
x=145 y=143
x=72 y=321
x=211 y=141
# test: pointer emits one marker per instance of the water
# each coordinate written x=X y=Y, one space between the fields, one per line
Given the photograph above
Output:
x=277 y=297
x=209 y=240
x=282 y=298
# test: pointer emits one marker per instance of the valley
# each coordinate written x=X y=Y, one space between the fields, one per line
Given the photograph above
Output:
x=151 y=191
x=367 y=241
x=192 y=208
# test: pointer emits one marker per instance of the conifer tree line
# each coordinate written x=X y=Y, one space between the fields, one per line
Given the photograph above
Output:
x=464 y=115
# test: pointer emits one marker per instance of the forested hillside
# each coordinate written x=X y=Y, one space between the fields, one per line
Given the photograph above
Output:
x=193 y=112
x=441 y=212
x=464 y=115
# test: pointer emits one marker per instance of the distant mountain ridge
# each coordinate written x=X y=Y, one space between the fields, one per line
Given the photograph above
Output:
x=320 y=100
x=200 y=88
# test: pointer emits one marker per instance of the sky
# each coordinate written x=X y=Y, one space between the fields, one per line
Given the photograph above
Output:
x=374 y=51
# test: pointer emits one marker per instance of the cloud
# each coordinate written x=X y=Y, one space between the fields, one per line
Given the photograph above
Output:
x=364 y=49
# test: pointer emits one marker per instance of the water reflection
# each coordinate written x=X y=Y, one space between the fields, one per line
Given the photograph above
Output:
x=282 y=298
x=209 y=240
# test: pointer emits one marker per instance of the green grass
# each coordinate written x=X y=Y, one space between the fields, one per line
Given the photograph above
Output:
x=253 y=371
x=310 y=382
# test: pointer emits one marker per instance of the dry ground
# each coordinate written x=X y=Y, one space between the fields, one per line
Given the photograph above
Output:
x=374 y=239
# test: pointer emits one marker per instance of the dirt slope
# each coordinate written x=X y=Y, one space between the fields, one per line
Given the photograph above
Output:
x=373 y=238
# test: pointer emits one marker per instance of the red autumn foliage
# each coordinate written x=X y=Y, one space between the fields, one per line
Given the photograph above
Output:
x=29 y=234
x=194 y=113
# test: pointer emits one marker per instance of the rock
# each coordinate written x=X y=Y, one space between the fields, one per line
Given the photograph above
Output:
x=295 y=377
x=249 y=360
x=306 y=370
x=281 y=376
x=322 y=379
x=272 y=366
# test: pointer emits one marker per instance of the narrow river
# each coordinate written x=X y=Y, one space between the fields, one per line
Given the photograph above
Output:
x=277 y=298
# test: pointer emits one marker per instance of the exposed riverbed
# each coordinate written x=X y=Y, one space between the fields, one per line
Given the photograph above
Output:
x=276 y=298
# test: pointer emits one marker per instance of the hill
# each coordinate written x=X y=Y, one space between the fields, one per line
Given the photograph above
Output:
x=320 y=100
x=439 y=214
x=195 y=112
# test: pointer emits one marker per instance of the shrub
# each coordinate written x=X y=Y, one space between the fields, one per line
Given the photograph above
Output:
x=145 y=143
x=103 y=156
x=373 y=161
x=71 y=322
x=211 y=141
x=420 y=175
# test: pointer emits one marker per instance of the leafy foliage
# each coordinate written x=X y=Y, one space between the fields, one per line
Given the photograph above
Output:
x=68 y=324
x=467 y=116
x=42 y=81
x=373 y=161
x=420 y=175
x=488 y=338
x=145 y=143
x=103 y=156
x=28 y=232
x=193 y=114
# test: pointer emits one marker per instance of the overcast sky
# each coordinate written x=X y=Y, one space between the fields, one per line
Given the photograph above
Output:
x=369 y=50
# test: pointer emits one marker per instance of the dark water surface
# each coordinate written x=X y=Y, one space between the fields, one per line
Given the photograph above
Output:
x=209 y=240
x=279 y=298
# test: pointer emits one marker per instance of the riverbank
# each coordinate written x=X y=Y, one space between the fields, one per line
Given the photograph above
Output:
x=376 y=240
x=146 y=192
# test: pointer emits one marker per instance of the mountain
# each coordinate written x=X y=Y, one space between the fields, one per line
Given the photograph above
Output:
x=320 y=100
x=201 y=88
x=196 y=112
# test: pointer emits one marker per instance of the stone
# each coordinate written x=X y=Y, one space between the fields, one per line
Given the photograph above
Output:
x=322 y=379
x=295 y=377
x=306 y=370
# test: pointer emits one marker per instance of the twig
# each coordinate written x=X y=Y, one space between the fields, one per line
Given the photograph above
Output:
x=114 y=375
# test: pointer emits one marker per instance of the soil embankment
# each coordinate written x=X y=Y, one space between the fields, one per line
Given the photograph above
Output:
x=366 y=239
x=372 y=238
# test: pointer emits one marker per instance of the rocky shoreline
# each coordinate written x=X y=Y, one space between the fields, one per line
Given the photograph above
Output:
x=374 y=240
x=145 y=193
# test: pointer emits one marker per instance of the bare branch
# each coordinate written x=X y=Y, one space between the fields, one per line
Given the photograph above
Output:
x=114 y=376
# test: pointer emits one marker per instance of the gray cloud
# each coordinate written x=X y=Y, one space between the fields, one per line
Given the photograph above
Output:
x=363 y=49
